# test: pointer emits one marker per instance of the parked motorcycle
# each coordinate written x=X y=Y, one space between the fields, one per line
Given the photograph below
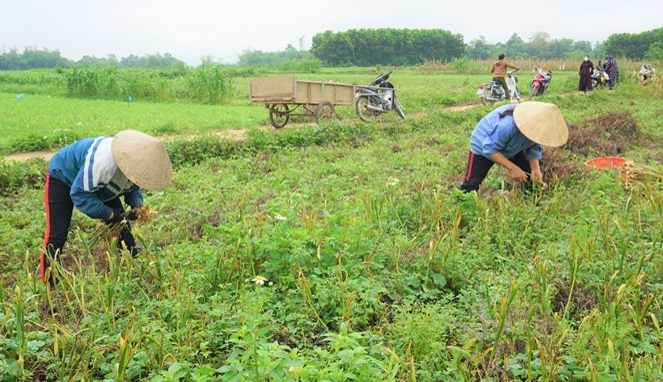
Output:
x=492 y=91
x=540 y=82
x=377 y=98
x=600 y=76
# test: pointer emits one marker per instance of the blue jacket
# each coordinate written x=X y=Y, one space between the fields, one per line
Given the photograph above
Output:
x=495 y=134
x=88 y=167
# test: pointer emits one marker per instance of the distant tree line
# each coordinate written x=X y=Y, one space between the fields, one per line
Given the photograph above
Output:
x=539 y=46
x=384 y=46
x=132 y=61
x=32 y=58
x=256 y=57
x=637 y=46
x=368 y=47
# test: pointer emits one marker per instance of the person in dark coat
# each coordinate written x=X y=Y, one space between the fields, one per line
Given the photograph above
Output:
x=586 y=70
x=612 y=70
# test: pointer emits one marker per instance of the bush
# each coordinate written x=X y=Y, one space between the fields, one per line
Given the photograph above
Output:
x=15 y=176
x=207 y=83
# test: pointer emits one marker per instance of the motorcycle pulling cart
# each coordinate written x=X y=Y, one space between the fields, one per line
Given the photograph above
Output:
x=282 y=95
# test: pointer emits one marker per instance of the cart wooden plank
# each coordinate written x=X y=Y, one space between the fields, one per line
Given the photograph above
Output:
x=287 y=90
x=280 y=89
x=312 y=93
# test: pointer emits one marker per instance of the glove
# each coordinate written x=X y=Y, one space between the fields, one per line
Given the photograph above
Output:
x=118 y=216
x=132 y=214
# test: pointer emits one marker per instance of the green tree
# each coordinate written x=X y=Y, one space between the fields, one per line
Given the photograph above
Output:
x=655 y=51
x=33 y=58
x=583 y=46
x=259 y=58
x=515 y=47
x=633 y=46
x=367 y=47
x=559 y=48
x=539 y=44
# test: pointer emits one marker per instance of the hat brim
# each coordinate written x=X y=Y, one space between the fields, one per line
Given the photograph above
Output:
x=142 y=159
x=542 y=123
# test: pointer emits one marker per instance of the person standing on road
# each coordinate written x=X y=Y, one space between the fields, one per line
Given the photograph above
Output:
x=498 y=70
x=511 y=136
x=612 y=70
x=586 y=70
x=91 y=174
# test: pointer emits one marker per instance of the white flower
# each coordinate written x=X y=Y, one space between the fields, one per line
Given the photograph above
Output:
x=392 y=181
x=259 y=280
x=280 y=217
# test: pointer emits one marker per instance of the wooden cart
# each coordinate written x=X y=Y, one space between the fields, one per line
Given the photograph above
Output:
x=282 y=95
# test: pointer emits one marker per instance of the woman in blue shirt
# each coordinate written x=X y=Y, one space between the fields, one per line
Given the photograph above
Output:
x=511 y=136
x=91 y=175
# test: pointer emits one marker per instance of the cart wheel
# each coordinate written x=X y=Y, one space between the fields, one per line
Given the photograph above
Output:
x=325 y=113
x=279 y=115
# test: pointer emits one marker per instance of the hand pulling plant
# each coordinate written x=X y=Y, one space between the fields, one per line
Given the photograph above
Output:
x=110 y=231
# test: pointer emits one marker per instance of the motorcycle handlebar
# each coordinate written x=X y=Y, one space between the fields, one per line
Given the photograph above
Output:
x=381 y=77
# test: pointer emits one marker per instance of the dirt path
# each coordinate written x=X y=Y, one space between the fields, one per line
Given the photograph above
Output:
x=18 y=157
x=233 y=134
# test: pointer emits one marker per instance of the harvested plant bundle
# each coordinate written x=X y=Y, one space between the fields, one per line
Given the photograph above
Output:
x=635 y=174
x=110 y=231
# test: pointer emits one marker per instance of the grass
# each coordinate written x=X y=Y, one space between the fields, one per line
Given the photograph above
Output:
x=375 y=267
x=42 y=121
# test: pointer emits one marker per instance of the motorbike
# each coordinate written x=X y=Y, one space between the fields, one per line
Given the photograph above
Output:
x=377 y=98
x=600 y=76
x=492 y=91
x=540 y=82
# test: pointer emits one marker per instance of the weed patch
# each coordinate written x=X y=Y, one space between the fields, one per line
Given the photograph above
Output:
x=608 y=135
x=612 y=134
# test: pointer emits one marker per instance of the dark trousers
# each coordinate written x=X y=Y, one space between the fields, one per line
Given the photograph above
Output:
x=479 y=165
x=59 y=208
x=502 y=82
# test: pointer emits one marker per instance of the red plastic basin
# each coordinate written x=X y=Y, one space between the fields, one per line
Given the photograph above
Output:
x=602 y=163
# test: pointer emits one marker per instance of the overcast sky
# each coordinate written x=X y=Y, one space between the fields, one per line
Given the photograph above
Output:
x=223 y=29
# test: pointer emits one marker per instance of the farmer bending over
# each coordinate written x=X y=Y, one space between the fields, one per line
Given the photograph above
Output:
x=91 y=174
x=511 y=136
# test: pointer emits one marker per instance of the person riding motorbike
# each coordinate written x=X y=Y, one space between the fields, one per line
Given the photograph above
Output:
x=498 y=70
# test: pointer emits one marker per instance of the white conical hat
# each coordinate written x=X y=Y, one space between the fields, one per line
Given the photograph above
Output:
x=541 y=122
x=142 y=159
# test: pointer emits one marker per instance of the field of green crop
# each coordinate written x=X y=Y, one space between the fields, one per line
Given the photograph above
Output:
x=342 y=252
